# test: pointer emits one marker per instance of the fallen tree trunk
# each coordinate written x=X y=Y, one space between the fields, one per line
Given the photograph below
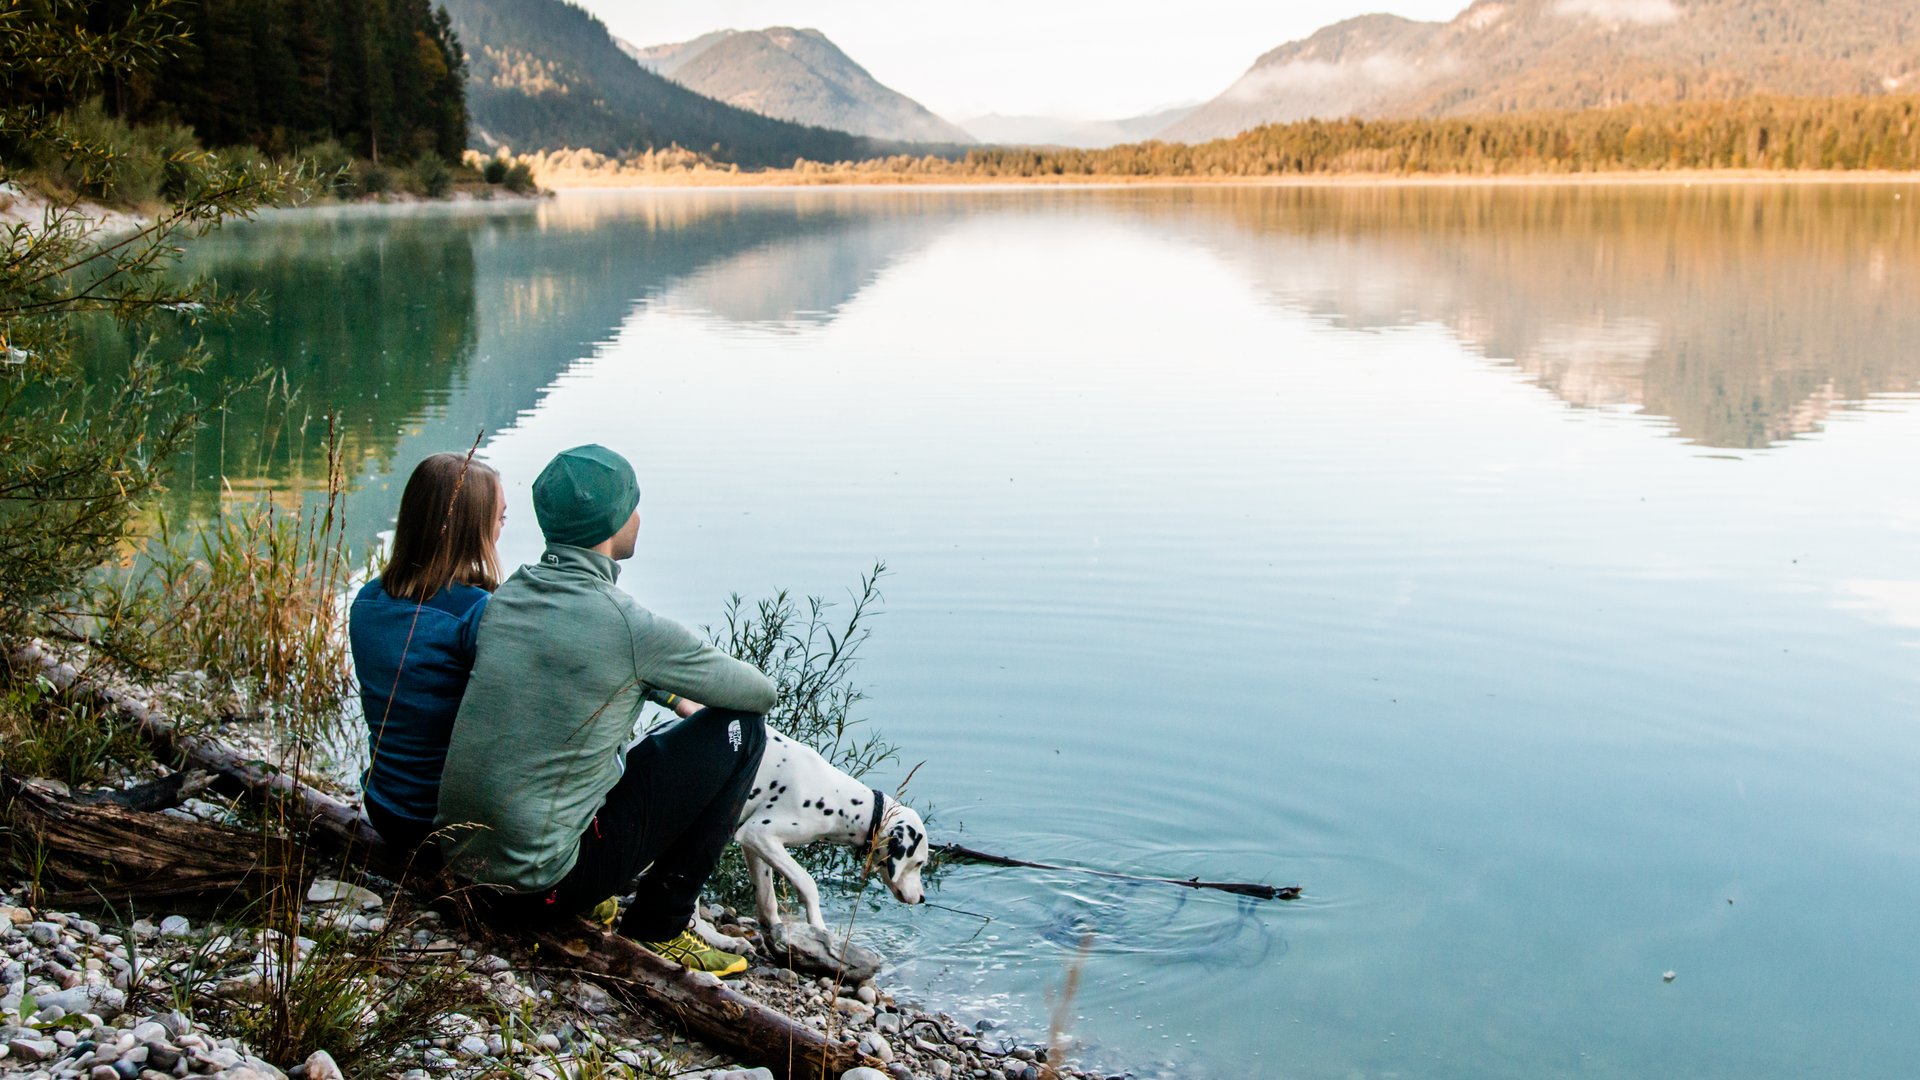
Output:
x=100 y=853
x=696 y=1002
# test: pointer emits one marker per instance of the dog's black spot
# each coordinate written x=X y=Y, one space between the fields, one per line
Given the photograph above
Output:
x=766 y=821
x=808 y=802
x=856 y=802
x=755 y=793
x=827 y=811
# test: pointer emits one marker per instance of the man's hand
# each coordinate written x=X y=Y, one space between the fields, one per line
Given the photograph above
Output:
x=682 y=707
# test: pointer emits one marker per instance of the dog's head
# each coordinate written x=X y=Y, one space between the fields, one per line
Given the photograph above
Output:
x=902 y=852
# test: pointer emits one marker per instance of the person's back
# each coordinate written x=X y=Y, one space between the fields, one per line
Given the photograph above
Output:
x=541 y=796
x=412 y=631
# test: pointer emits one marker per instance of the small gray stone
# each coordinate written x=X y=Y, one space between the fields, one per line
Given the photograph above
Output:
x=161 y=1056
x=174 y=1021
x=436 y=1058
x=104 y=1072
x=867 y=993
x=900 y=1072
x=126 y=1070
x=43 y=933
x=861 y=1072
x=590 y=998
x=80 y=999
x=887 y=1023
x=873 y=1044
x=320 y=1066
x=175 y=926
x=149 y=1032
x=742 y=1074
x=32 y=1050
x=472 y=1046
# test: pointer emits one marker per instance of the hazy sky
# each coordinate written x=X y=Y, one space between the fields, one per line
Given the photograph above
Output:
x=1088 y=59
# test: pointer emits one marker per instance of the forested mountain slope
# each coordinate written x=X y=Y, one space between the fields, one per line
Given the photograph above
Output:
x=1502 y=56
x=544 y=74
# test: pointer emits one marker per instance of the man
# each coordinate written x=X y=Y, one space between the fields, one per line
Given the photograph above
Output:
x=541 y=798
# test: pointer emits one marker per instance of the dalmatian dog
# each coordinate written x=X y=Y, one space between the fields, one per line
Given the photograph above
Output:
x=798 y=798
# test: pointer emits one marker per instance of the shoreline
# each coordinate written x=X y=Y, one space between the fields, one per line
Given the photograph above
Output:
x=790 y=180
x=197 y=973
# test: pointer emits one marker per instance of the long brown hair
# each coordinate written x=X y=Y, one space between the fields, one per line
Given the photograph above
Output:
x=445 y=531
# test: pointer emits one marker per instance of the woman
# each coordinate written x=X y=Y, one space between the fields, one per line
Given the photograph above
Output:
x=412 y=630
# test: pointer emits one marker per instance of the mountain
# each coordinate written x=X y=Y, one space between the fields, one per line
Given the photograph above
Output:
x=796 y=75
x=1085 y=134
x=1520 y=55
x=666 y=59
x=544 y=74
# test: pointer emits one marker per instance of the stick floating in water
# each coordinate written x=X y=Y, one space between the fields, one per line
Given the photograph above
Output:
x=1238 y=888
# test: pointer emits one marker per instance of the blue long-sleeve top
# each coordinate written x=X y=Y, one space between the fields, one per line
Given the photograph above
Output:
x=413 y=661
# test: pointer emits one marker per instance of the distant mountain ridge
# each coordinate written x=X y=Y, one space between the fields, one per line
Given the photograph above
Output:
x=1502 y=56
x=798 y=75
x=546 y=75
x=1083 y=134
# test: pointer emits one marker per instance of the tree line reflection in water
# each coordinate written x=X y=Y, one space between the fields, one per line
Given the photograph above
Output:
x=1742 y=316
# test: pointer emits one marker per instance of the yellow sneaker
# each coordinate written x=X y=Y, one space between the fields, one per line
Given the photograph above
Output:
x=606 y=911
x=687 y=950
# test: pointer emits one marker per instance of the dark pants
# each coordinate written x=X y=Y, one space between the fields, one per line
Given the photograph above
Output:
x=676 y=807
x=402 y=834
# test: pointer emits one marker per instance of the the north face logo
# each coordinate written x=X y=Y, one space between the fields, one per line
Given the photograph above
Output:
x=733 y=734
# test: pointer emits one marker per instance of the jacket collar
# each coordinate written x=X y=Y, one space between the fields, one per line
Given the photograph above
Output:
x=579 y=560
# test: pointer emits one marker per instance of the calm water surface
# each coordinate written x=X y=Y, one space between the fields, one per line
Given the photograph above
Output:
x=1533 y=575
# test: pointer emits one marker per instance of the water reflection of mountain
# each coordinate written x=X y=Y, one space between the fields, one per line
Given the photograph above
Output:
x=1744 y=314
x=422 y=330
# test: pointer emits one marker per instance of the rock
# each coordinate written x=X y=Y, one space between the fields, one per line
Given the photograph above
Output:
x=900 y=1072
x=1669 y=976
x=859 y=1010
x=887 y=1023
x=126 y=1070
x=81 y=999
x=812 y=949
x=863 y=1073
x=320 y=1066
x=329 y=891
x=32 y=1050
x=491 y=964
x=161 y=1056
x=436 y=1058
x=941 y=1070
x=104 y=1072
x=15 y=916
x=762 y=1073
x=175 y=926
x=472 y=1046
x=867 y=993
x=43 y=933
x=873 y=1044
x=175 y=1022
x=149 y=1032
x=590 y=998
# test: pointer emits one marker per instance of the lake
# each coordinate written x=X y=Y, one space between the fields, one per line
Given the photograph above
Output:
x=1530 y=573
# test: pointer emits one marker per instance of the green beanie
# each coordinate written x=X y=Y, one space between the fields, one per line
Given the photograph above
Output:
x=584 y=496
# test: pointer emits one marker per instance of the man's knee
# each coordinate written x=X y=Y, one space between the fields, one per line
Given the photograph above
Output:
x=746 y=732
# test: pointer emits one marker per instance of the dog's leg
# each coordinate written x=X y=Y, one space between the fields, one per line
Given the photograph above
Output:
x=765 y=901
x=775 y=855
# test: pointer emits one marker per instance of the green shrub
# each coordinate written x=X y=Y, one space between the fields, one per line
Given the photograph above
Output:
x=89 y=153
x=519 y=178
x=331 y=166
x=495 y=172
x=431 y=177
x=371 y=179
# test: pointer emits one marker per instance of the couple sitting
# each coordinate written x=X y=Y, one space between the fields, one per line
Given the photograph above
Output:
x=501 y=716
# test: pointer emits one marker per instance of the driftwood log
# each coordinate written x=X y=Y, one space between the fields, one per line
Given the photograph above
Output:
x=1238 y=888
x=101 y=853
x=696 y=1002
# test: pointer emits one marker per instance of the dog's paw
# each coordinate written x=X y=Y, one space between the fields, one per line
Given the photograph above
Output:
x=706 y=932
